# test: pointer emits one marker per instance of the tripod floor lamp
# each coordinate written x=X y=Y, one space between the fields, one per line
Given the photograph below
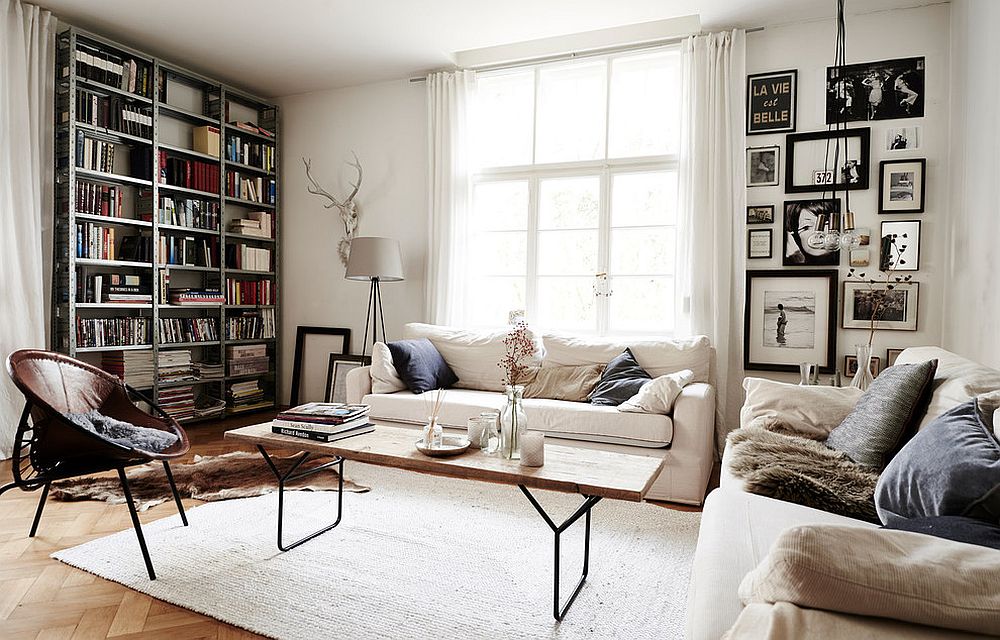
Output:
x=377 y=260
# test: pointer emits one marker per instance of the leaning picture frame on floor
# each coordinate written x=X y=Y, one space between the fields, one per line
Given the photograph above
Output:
x=790 y=317
x=891 y=355
x=306 y=380
x=336 y=374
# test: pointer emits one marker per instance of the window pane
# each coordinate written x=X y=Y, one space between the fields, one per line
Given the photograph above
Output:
x=644 y=199
x=567 y=253
x=498 y=206
x=492 y=299
x=642 y=304
x=571 y=103
x=501 y=119
x=499 y=253
x=645 y=105
x=566 y=303
x=643 y=251
x=569 y=203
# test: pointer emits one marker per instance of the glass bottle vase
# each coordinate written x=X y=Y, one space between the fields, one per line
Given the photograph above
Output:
x=513 y=422
x=863 y=377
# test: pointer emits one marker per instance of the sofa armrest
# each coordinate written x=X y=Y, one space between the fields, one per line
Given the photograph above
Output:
x=359 y=384
x=689 y=460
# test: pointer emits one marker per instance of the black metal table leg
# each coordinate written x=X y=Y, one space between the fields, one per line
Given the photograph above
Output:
x=559 y=611
x=291 y=475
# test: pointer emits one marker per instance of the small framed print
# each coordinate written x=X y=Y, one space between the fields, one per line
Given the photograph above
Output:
x=336 y=374
x=891 y=355
x=760 y=214
x=876 y=305
x=762 y=166
x=900 y=246
x=860 y=258
x=771 y=102
x=901 y=186
x=902 y=138
x=851 y=366
x=759 y=243
x=864 y=235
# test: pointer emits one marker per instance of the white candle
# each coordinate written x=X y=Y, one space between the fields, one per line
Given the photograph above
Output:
x=532 y=449
x=475 y=426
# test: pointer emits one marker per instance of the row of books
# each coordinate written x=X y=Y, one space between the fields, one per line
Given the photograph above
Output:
x=258 y=224
x=133 y=367
x=189 y=330
x=190 y=174
x=96 y=155
x=248 y=359
x=241 y=256
x=181 y=212
x=113 y=112
x=114 y=288
x=323 y=421
x=252 y=188
x=125 y=73
x=251 y=325
x=111 y=332
x=256 y=292
x=246 y=395
x=98 y=199
x=195 y=297
x=255 y=154
x=95 y=242
x=189 y=251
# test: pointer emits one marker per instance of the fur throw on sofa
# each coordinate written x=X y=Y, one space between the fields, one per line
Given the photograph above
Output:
x=803 y=471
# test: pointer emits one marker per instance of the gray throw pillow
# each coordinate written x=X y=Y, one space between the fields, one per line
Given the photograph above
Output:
x=622 y=379
x=950 y=468
x=886 y=415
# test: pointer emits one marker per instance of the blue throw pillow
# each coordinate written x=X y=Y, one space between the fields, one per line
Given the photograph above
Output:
x=957 y=528
x=420 y=365
x=622 y=379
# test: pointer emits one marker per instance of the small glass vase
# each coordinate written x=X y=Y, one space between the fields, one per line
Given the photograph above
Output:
x=863 y=378
x=513 y=422
x=432 y=433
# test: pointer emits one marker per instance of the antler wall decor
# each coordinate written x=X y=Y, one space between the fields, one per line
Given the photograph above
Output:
x=348 y=208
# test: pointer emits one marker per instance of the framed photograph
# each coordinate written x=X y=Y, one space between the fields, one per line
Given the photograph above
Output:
x=771 y=102
x=336 y=375
x=760 y=214
x=789 y=318
x=900 y=246
x=801 y=220
x=813 y=161
x=902 y=138
x=891 y=355
x=860 y=258
x=762 y=166
x=881 y=90
x=759 y=243
x=307 y=365
x=851 y=366
x=901 y=186
x=895 y=309
x=864 y=236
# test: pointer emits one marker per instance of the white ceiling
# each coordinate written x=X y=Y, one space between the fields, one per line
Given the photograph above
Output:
x=279 y=48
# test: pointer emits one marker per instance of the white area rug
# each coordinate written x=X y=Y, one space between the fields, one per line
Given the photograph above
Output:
x=419 y=557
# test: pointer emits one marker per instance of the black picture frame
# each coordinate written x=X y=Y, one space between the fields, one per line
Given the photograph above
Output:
x=791 y=233
x=911 y=243
x=891 y=355
x=764 y=207
x=770 y=243
x=752 y=153
x=831 y=289
x=336 y=368
x=918 y=188
x=765 y=95
x=301 y=333
x=851 y=366
x=864 y=136
x=851 y=90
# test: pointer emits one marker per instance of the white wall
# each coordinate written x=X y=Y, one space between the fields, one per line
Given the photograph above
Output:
x=972 y=295
x=385 y=124
x=809 y=47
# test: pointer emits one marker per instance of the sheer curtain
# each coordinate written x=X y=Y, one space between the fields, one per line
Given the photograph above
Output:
x=712 y=198
x=27 y=62
x=448 y=97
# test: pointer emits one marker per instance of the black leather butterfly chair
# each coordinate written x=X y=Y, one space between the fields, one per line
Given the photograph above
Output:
x=49 y=447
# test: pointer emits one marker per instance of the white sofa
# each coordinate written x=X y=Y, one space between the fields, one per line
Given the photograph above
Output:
x=685 y=438
x=739 y=528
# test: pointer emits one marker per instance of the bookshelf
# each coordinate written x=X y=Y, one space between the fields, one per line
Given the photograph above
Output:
x=144 y=206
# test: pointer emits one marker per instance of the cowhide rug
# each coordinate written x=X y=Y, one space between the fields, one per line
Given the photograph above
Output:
x=209 y=478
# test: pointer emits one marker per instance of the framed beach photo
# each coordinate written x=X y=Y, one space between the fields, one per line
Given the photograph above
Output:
x=760 y=214
x=790 y=318
x=762 y=166
x=895 y=308
x=759 y=243
x=901 y=186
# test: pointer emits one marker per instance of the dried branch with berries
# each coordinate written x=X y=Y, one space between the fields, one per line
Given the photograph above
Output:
x=519 y=346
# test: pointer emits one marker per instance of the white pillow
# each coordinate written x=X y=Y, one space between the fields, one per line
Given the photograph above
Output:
x=383 y=373
x=811 y=411
x=657 y=356
x=658 y=395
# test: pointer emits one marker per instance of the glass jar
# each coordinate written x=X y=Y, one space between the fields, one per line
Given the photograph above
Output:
x=432 y=433
x=513 y=422
x=490 y=442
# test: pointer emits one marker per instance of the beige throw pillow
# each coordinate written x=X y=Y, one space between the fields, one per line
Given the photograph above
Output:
x=561 y=383
x=383 y=373
x=808 y=411
x=658 y=395
x=886 y=574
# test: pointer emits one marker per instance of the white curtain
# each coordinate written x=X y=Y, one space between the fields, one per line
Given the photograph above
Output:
x=448 y=96
x=712 y=198
x=27 y=59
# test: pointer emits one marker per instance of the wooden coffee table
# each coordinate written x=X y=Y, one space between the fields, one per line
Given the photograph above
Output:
x=591 y=473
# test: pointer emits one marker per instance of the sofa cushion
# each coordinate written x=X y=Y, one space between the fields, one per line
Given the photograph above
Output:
x=558 y=418
x=622 y=379
x=420 y=365
x=657 y=356
x=810 y=411
x=573 y=384
x=957 y=528
x=383 y=373
x=658 y=395
x=474 y=355
x=956 y=380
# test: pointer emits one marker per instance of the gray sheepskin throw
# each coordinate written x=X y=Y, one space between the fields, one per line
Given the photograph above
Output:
x=123 y=433
x=233 y=475
x=802 y=471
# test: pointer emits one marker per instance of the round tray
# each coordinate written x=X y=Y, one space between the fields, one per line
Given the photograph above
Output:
x=450 y=446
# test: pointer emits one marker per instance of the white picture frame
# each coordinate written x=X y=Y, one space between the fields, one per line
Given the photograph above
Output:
x=763 y=166
x=902 y=316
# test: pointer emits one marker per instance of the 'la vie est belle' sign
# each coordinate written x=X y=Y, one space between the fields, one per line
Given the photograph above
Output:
x=771 y=102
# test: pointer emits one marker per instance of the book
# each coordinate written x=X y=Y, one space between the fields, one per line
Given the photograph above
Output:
x=321 y=427
x=329 y=412
x=322 y=437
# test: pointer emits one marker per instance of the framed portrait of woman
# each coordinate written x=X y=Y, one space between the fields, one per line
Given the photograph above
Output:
x=802 y=219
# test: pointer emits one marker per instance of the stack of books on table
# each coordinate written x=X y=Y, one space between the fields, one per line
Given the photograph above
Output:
x=323 y=421
x=134 y=367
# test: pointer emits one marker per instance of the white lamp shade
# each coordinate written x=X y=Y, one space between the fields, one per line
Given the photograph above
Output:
x=375 y=258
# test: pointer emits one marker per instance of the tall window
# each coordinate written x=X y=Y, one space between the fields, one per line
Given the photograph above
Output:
x=574 y=194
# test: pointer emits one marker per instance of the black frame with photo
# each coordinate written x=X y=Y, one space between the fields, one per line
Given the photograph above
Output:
x=770 y=243
x=912 y=246
x=830 y=355
x=862 y=107
x=864 y=135
x=769 y=207
x=911 y=316
x=756 y=105
x=334 y=368
x=851 y=366
x=777 y=165
x=827 y=206
x=921 y=167
x=301 y=332
x=891 y=355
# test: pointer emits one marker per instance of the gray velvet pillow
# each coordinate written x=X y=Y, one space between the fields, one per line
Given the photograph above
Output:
x=950 y=468
x=886 y=415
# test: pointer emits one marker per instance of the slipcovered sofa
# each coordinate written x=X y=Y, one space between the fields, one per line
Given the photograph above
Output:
x=685 y=438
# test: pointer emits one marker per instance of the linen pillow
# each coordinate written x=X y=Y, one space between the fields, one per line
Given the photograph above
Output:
x=383 y=372
x=807 y=411
x=950 y=468
x=622 y=379
x=658 y=395
x=957 y=528
x=886 y=415
x=881 y=573
x=561 y=383
x=420 y=365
